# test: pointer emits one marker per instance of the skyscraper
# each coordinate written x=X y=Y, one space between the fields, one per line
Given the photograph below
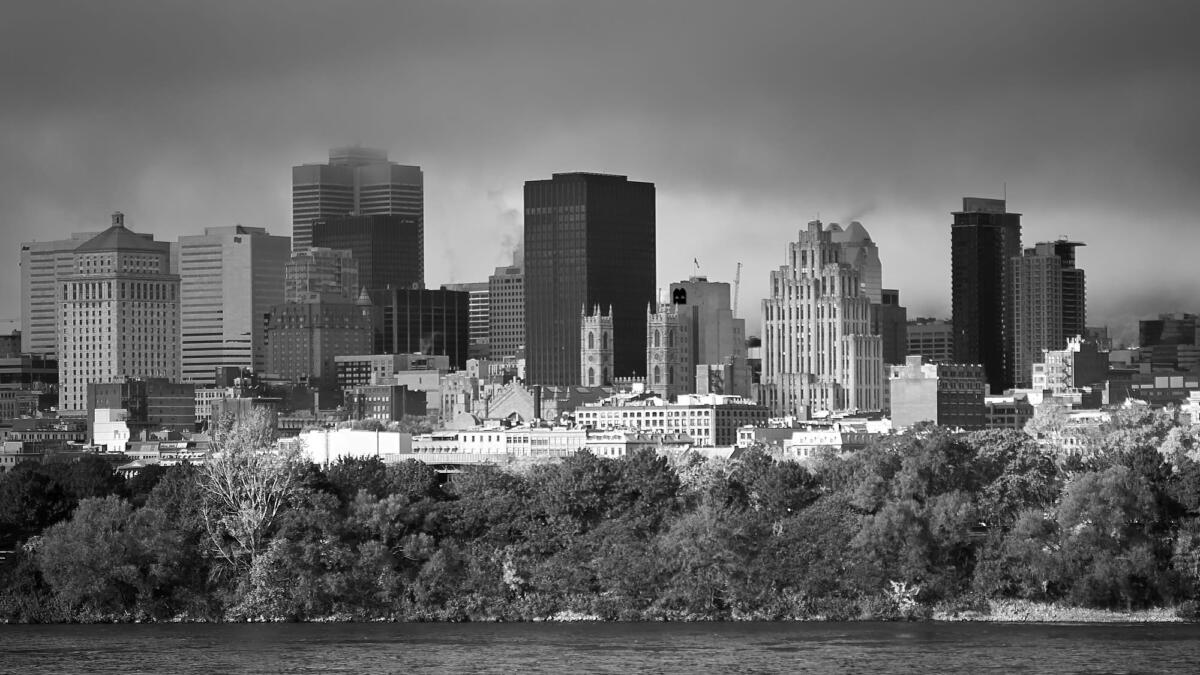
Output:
x=479 y=316
x=390 y=249
x=229 y=279
x=43 y=265
x=506 y=310
x=119 y=314
x=359 y=181
x=819 y=352
x=589 y=240
x=716 y=353
x=983 y=240
x=1048 y=304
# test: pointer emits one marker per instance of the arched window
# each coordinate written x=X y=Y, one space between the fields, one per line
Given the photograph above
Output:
x=591 y=340
x=591 y=376
x=604 y=341
x=657 y=375
x=656 y=337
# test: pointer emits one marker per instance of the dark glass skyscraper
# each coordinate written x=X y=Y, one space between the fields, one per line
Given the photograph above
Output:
x=589 y=240
x=356 y=180
x=390 y=249
x=984 y=239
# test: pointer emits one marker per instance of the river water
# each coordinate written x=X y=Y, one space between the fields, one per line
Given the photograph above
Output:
x=602 y=648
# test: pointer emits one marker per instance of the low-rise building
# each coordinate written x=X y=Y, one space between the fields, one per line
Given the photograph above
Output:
x=709 y=420
x=946 y=394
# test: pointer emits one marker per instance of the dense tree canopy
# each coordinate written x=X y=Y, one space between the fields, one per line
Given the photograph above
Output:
x=916 y=521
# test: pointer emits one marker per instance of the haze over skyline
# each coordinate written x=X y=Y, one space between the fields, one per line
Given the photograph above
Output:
x=750 y=119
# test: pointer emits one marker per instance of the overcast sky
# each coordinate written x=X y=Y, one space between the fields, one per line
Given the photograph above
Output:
x=750 y=117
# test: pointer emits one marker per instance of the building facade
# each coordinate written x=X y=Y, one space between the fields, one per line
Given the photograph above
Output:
x=118 y=315
x=983 y=239
x=304 y=338
x=424 y=321
x=932 y=339
x=818 y=349
x=670 y=363
x=230 y=277
x=589 y=240
x=152 y=404
x=43 y=265
x=946 y=394
x=479 y=309
x=506 y=312
x=717 y=338
x=709 y=420
x=390 y=249
x=356 y=180
x=324 y=274
x=1049 y=304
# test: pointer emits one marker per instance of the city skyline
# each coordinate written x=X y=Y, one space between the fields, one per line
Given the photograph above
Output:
x=1080 y=116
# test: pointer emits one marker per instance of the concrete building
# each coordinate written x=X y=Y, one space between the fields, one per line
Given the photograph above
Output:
x=321 y=274
x=506 y=311
x=303 y=339
x=709 y=420
x=10 y=344
x=230 y=277
x=44 y=264
x=861 y=253
x=423 y=321
x=984 y=238
x=1049 y=304
x=16 y=403
x=1011 y=411
x=596 y=367
x=356 y=180
x=390 y=249
x=479 y=309
x=818 y=349
x=28 y=371
x=931 y=339
x=589 y=240
x=119 y=315
x=717 y=338
x=947 y=394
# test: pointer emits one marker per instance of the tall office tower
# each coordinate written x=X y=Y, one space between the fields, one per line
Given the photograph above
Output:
x=1172 y=341
x=863 y=255
x=390 y=250
x=596 y=348
x=670 y=364
x=506 y=313
x=355 y=181
x=119 y=315
x=478 y=315
x=1048 y=304
x=589 y=240
x=983 y=239
x=230 y=277
x=718 y=340
x=324 y=274
x=43 y=265
x=818 y=349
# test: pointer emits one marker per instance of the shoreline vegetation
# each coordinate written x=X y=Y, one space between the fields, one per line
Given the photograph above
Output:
x=927 y=525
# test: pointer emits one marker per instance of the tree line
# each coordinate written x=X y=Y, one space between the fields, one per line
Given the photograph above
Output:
x=922 y=521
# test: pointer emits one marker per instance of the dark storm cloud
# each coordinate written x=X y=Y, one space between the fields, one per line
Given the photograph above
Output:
x=750 y=118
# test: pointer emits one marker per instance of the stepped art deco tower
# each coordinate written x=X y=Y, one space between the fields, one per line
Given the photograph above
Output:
x=818 y=350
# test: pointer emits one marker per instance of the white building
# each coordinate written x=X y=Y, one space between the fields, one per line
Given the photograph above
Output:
x=118 y=315
x=709 y=420
x=818 y=350
x=229 y=279
x=110 y=430
x=43 y=265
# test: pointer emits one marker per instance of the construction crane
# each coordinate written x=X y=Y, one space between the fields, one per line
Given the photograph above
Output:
x=737 y=284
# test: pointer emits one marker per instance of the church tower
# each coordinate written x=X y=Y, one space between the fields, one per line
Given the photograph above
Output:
x=596 y=348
